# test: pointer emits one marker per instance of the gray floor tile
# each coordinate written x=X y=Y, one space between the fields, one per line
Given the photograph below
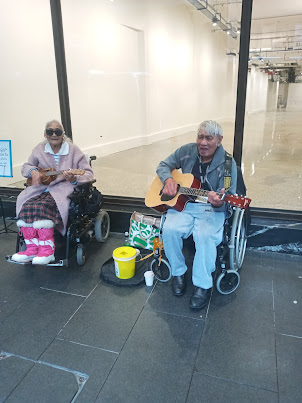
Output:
x=153 y=337
x=34 y=324
x=162 y=300
x=255 y=274
x=12 y=371
x=107 y=317
x=72 y=279
x=156 y=362
x=210 y=389
x=287 y=298
x=289 y=361
x=15 y=288
x=45 y=384
x=238 y=342
x=94 y=362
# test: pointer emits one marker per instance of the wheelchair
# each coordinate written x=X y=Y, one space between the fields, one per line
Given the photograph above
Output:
x=86 y=220
x=230 y=252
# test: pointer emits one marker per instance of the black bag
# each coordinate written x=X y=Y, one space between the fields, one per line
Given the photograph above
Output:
x=95 y=201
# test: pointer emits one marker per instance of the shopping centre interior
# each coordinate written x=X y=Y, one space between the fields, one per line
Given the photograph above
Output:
x=131 y=80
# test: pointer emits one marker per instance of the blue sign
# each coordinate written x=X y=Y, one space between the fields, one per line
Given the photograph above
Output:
x=6 y=168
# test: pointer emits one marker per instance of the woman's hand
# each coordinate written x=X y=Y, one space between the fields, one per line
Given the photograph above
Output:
x=69 y=176
x=36 y=177
x=170 y=188
x=215 y=199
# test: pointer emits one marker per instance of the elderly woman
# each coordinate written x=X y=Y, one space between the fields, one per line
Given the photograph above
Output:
x=42 y=207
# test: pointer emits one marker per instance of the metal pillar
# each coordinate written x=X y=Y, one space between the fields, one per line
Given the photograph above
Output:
x=246 y=17
x=58 y=38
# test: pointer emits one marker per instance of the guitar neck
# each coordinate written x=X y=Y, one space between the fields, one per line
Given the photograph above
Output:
x=194 y=192
x=52 y=173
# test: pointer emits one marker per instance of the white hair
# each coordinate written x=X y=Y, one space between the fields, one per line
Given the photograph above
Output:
x=210 y=127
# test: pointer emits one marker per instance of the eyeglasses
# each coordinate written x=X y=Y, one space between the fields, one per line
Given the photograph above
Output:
x=50 y=132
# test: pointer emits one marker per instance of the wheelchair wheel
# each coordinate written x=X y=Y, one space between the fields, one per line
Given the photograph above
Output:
x=227 y=282
x=81 y=257
x=20 y=244
x=162 y=272
x=238 y=239
x=102 y=226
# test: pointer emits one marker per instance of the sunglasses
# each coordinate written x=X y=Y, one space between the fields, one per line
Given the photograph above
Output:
x=50 y=132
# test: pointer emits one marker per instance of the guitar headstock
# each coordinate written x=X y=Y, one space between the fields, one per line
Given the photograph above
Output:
x=77 y=171
x=238 y=201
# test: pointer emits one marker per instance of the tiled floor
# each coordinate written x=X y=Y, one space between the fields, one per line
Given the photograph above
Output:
x=66 y=335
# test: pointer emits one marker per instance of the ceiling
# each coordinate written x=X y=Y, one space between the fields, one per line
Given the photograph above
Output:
x=276 y=33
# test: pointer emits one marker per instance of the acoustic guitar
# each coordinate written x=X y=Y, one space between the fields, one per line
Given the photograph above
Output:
x=188 y=189
x=48 y=175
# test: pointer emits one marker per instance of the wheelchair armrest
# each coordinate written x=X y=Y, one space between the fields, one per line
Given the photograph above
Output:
x=83 y=185
x=81 y=190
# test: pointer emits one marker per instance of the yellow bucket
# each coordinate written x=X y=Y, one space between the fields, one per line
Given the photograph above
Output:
x=124 y=261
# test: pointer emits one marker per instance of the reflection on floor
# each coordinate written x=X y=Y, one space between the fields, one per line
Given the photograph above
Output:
x=66 y=334
x=271 y=161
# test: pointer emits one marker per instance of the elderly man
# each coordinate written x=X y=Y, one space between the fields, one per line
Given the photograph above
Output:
x=205 y=159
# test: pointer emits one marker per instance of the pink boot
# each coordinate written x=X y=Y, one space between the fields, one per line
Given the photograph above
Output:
x=45 y=230
x=30 y=237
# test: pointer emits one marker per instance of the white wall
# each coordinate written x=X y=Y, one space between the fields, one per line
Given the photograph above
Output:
x=28 y=80
x=257 y=90
x=138 y=71
x=272 y=95
x=143 y=73
x=294 y=98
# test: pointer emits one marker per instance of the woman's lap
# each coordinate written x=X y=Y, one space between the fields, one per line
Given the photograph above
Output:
x=42 y=207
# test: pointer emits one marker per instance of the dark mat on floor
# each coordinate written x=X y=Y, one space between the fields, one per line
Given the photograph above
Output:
x=108 y=274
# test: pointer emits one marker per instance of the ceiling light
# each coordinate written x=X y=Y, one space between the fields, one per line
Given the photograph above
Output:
x=210 y=12
x=214 y=21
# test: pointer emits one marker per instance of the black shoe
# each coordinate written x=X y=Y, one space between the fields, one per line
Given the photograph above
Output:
x=178 y=285
x=200 y=298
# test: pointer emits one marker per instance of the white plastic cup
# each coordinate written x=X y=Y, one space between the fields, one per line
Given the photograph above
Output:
x=149 y=277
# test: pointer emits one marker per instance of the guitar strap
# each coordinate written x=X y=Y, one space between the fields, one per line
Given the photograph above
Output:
x=227 y=171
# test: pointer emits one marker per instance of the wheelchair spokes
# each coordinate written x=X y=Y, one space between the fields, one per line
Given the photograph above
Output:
x=238 y=240
x=161 y=271
x=232 y=252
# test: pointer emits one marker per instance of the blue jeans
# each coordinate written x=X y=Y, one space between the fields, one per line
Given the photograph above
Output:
x=206 y=225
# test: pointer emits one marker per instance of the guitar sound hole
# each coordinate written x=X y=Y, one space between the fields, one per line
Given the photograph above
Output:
x=165 y=197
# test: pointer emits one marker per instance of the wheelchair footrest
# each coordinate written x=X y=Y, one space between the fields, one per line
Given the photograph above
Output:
x=61 y=262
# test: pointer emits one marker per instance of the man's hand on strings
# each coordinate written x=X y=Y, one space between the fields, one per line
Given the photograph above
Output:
x=215 y=199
